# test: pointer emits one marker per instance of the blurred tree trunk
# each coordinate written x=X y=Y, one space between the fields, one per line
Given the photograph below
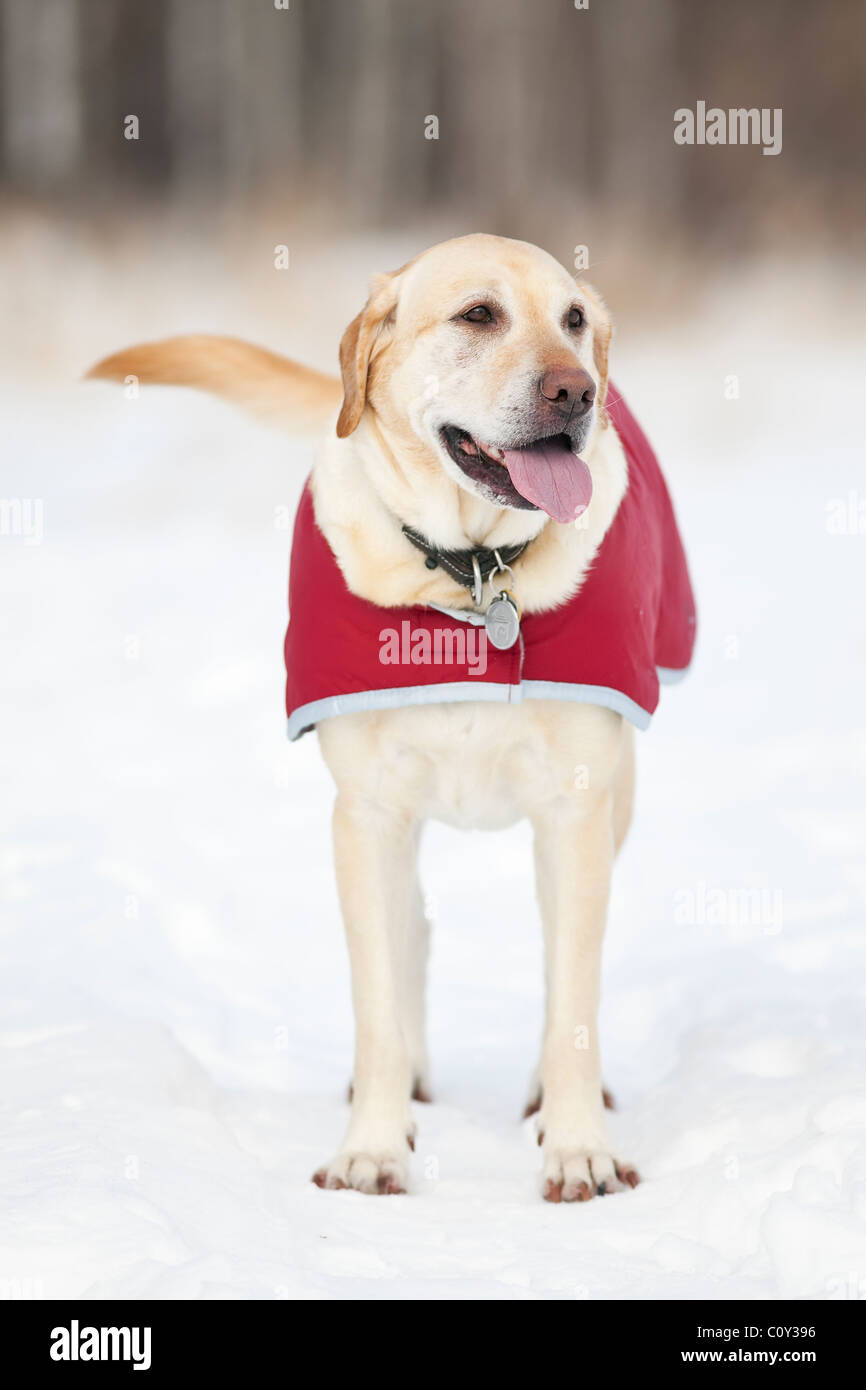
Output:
x=197 y=92
x=638 y=92
x=42 y=128
x=123 y=73
x=266 y=144
x=371 y=116
x=415 y=93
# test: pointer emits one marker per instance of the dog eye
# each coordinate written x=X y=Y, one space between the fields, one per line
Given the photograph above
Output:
x=479 y=313
x=575 y=317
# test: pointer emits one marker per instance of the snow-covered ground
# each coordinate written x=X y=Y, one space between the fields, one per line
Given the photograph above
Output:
x=176 y=1022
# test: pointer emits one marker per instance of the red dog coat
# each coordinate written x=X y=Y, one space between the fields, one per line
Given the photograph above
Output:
x=631 y=624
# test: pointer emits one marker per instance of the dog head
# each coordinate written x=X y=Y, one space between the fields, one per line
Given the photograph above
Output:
x=488 y=354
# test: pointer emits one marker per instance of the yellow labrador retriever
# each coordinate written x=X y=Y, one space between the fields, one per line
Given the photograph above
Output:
x=471 y=414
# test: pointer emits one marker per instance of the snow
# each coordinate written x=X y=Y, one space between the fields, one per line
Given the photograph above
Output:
x=176 y=1022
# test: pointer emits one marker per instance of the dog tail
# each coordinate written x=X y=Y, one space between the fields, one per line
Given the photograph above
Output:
x=283 y=392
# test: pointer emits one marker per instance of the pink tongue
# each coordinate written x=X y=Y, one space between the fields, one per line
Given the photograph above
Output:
x=552 y=477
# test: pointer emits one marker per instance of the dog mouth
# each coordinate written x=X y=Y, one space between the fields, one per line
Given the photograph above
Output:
x=542 y=475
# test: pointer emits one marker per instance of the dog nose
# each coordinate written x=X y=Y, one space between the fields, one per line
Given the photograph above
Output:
x=571 y=389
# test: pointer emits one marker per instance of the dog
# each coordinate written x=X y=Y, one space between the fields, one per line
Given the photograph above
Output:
x=470 y=458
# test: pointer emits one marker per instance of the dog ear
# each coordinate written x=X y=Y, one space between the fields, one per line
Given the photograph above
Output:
x=601 y=337
x=602 y=331
x=357 y=346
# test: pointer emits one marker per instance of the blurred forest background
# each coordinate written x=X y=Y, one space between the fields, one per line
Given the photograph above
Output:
x=306 y=123
x=327 y=100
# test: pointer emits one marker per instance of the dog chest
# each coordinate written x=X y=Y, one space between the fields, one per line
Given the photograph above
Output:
x=478 y=766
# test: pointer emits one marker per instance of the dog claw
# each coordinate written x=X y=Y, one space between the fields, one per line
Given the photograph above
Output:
x=321 y=1179
x=389 y=1186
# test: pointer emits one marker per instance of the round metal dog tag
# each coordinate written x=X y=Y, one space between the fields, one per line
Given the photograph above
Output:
x=502 y=621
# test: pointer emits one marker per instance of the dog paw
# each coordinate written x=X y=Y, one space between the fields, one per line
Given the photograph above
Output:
x=380 y=1174
x=576 y=1175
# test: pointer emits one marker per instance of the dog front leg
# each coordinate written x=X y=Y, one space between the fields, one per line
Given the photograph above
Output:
x=574 y=852
x=374 y=858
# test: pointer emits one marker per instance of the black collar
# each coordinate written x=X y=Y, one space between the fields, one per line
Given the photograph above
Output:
x=472 y=568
